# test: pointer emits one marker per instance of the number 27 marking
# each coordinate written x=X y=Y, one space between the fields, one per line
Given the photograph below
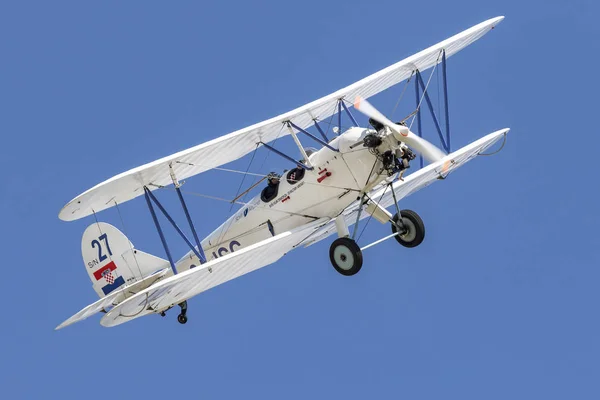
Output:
x=96 y=243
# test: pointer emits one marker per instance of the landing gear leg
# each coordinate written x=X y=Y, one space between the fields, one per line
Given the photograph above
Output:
x=182 y=317
x=397 y=223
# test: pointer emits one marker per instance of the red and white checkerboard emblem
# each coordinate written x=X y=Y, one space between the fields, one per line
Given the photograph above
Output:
x=111 y=276
x=107 y=274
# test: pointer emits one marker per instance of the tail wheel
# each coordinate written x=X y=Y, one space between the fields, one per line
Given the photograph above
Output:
x=345 y=256
x=414 y=229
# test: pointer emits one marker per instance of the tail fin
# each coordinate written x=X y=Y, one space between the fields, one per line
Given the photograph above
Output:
x=111 y=260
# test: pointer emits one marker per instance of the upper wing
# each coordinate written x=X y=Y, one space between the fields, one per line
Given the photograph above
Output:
x=414 y=182
x=181 y=287
x=224 y=149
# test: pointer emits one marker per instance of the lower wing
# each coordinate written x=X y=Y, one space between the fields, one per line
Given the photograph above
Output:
x=178 y=288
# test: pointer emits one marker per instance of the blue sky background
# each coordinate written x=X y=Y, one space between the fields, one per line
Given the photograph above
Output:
x=500 y=301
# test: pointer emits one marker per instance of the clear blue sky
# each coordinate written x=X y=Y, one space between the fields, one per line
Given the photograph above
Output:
x=500 y=301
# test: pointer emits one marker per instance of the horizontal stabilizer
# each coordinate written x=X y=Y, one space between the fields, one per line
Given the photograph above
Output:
x=105 y=303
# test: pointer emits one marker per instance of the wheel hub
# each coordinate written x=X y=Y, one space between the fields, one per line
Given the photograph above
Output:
x=409 y=230
x=343 y=257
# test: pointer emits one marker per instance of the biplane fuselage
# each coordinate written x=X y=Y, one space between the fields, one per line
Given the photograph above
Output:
x=336 y=180
x=350 y=177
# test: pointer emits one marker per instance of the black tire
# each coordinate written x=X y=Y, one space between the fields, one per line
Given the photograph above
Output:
x=345 y=256
x=182 y=319
x=415 y=229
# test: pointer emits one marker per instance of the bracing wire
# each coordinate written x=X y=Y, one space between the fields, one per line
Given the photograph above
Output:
x=439 y=108
x=130 y=244
x=100 y=229
x=414 y=114
x=263 y=161
x=220 y=169
x=330 y=121
x=245 y=174
x=402 y=93
x=240 y=187
x=109 y=254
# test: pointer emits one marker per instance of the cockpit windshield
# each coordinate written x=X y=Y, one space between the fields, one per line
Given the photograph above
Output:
x=310 y=150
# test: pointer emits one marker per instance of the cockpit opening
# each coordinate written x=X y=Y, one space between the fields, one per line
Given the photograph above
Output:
x=295 y=175
x=270 y=192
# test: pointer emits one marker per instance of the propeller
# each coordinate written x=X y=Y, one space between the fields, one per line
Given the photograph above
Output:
x=426 y=149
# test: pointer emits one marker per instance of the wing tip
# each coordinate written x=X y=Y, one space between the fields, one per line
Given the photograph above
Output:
x=498 y=132
x=62 y=325
x=495 y=21
x=69 y=210
x=63 y=215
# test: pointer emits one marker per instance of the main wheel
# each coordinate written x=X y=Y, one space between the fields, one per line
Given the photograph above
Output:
x=182 y=319
x=414 y=226
x=345 y=256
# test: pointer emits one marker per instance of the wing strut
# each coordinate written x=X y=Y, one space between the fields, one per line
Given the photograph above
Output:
x=187 y=215
x=316 y=123
x=177 y=185
x=348 y=112
x=339 y=107
x=418 y=116
x=158 y=228
x=198 y=252
x=419 y=81
x=420 y=84
x=446 y=100
x=298 y=163
x=292 y=125
x=445 y=141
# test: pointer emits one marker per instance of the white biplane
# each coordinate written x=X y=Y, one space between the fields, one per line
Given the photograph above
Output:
x=358 y=173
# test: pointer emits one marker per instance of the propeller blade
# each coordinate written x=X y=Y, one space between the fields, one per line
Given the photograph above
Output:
x=422 y=146
x=366 y=108
x=427 y=150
